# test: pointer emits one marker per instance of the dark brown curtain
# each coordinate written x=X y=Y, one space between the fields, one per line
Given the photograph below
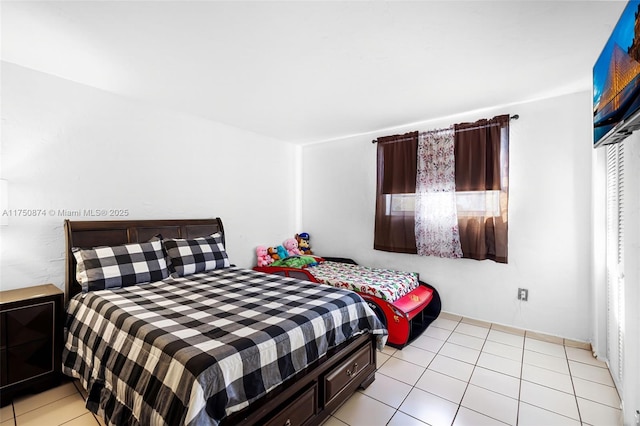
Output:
x=482 y=158
x=397 y=160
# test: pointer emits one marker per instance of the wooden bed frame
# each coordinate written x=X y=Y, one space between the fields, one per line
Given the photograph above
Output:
x=87 y=234
x=308 y=398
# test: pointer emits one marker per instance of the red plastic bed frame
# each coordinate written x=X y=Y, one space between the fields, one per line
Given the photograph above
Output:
x=405 y=319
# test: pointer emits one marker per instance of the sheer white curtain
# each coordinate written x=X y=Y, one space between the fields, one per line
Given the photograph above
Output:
x=437 y=232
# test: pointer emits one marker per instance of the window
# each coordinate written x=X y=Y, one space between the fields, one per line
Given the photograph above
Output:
x=400 y=204
x=478 y=203
x=468 y=203
x=481 y=159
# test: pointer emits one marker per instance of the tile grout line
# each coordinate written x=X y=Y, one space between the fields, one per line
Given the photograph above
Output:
x=573 y=386
x=382 y=402
x=480 y=351
x=469 y=381
x=524 y=342
x=465 y=388
x=575 y=396
x=42 y=406
x=521 y=373
x=76 y=384
x=486 y=338
x=467 y=385
x=414 y=386
x=75 y=418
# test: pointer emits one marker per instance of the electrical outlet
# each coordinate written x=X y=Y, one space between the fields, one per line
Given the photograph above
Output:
x=523 y=294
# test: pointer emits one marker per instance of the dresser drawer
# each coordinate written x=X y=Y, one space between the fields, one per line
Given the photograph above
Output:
x=299 y=411
x=342 y=375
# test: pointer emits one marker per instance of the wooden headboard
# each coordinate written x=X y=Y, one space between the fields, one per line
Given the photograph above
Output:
x=87 y=234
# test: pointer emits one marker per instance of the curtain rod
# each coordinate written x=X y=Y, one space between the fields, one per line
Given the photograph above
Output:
x=513 y=117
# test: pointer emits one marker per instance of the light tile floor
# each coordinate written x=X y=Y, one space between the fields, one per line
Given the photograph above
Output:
x=459 y=372
x=468 y=372
x=63 y=405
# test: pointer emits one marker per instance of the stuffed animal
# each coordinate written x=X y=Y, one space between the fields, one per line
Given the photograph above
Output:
x=263 y=256
x=303 y=243
x=273 y=252
x=292 y=247
x=282 y=252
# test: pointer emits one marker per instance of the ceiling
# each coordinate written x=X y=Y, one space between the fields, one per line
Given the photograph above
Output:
x=304 y=71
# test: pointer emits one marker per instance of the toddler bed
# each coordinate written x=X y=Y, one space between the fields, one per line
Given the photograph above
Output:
x=404 y=304
x=211 y=344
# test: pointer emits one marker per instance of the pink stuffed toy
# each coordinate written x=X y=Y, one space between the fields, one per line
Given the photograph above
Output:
x=263 y=256
x=292 y=247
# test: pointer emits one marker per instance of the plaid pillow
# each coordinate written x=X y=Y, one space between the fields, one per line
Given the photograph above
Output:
x=196 y=255
x=102 y=268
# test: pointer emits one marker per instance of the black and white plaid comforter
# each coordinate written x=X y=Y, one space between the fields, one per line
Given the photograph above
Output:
x=173 y=351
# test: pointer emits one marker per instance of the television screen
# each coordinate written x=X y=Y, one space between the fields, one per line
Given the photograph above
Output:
x=616 y=80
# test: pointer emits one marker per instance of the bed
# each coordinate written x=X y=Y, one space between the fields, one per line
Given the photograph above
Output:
x=404 y=304
x=222 y=346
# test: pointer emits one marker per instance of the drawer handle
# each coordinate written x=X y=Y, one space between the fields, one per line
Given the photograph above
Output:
x=288 y=422
x=355 y=370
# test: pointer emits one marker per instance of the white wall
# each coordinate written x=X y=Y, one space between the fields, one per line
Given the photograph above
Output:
x=549 y=219
x=66 y=146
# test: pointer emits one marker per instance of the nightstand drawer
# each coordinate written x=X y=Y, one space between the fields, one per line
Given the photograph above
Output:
x=3 y=367
x=30 y=338
x=29 y=323
x=29 y=360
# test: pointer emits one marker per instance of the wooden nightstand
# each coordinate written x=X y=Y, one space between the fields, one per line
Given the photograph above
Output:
x=30 y=339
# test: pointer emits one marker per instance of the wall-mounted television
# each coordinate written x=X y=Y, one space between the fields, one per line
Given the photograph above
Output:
x=616 y=81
